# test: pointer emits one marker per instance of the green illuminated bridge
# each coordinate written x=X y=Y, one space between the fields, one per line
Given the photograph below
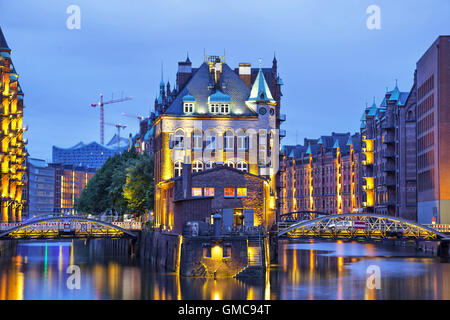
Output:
x=352 y=226
x=68 y=227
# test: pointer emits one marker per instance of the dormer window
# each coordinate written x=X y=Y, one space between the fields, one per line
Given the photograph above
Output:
x=188 y=107
x=214 y=108
x=219 y=103
x=188 y=103
x=224 y=108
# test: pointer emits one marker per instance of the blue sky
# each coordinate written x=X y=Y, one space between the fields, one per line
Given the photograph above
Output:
x=330 y=62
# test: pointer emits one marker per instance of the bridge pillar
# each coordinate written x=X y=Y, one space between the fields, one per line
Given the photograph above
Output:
x=131 y=247
x=273 y=247
x=444 y=249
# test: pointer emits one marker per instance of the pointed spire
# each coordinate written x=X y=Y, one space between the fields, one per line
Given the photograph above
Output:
x=395 y=94
x=336 y=144
x=3 y=43
x=308 y=150
x=187 y=57
x=350 y=141
x=260 y=90
x=161 y=84
x=274 y=58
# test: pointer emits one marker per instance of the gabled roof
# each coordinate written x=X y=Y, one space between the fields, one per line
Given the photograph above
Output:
x=260 y=90
x=198 y=87
x=373 y=110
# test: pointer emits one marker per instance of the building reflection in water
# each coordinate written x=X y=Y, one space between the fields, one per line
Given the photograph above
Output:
x=306 y=271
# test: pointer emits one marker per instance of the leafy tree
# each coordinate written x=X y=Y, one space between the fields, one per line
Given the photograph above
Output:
x=139 y=187
x=124 y=184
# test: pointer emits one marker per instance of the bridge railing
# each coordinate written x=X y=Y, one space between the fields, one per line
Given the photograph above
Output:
x=439 y=227
x=72 y=225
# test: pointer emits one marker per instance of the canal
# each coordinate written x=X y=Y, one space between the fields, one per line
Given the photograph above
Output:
x=306 y=270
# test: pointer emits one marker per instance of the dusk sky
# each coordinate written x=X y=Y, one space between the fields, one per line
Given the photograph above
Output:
x=330 y=62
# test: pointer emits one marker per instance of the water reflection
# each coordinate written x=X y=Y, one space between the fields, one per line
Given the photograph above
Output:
x=321 y=270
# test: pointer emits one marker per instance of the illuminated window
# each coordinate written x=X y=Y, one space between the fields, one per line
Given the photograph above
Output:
x=228 y=141
x=242 y=166
x=229 y=163
x=241 y=192
x=197 y=166
x=178 y=167
x=196 y=192
x=209 y=192
x=178 y=141
x=229 y=192
x=188 y=107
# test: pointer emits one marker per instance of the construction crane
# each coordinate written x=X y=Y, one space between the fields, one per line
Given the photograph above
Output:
x=119 y=127
x=100 y=104
x=140 y=118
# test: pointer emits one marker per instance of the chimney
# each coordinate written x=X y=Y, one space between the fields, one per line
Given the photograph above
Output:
x=186 y=176
x=245 y=73
x=184 y=73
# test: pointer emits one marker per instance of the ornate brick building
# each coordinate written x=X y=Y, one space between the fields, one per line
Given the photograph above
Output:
x=380 y=134
x=217 y=116
x=13 y=152
x=322 y=175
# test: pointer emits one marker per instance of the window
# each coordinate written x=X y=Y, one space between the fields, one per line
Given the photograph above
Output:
x=196 y=192
x=224 y=108
x=242 y=166
x=210 y=165
x=197 y=140
x=179 y=139
x=178 y=167
x=229 y=193
x=197 y=166
x=214 y=108
x=211 y=139
x=229 y=163
x=209 y=192
x=241 y=192
x=228 y=141
x=188 y=107
x=242 y=141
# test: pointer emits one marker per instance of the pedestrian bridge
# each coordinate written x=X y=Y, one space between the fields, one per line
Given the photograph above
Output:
x=352 y=226
x=68 y=227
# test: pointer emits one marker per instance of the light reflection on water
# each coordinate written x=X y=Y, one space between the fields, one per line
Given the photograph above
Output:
x=309 y=270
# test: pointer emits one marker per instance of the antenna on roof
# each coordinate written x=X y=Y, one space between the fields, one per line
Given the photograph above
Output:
x=259 y=62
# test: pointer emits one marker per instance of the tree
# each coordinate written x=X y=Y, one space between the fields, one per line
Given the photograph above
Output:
x=139 y=187
x=106 y=189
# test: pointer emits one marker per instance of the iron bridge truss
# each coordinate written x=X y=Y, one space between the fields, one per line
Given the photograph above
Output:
x=56 y=228
x=351 y=226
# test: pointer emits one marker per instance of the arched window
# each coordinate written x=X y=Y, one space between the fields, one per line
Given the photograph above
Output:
x=242 y=141
x=228 y=141
x=197 y=166
x=210 y=165
x=197 y=140
x=178 y=139
x=230 y=164
x=178 y=168
x=211 y=140
x=242 y=166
